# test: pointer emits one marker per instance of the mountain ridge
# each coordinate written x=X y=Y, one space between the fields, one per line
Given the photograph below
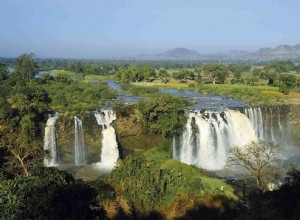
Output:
x=283 y=51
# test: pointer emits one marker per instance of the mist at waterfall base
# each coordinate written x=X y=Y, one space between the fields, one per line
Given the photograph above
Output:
x=209 y=134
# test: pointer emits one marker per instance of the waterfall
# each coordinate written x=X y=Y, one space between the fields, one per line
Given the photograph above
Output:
x=255 y=116
x=208 y=135
x=79 y=143
x=50 y=143
x=109 y=151
x=273 y=124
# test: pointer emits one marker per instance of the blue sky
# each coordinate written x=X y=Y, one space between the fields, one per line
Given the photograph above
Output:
x=115 y=28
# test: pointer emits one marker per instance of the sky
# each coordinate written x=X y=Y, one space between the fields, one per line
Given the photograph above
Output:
x=118 y=28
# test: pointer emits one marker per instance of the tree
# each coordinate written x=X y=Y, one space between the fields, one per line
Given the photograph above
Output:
x=26 y=67
x=21 y=112
x=286 y=82
x=216 y=70
x=164 y=113
x=258 y=158
x=3 y=71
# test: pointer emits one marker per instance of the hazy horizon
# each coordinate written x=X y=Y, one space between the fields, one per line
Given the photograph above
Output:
x=93 y=29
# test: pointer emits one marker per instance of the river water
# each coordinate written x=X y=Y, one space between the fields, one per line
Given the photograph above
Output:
x=200 y=101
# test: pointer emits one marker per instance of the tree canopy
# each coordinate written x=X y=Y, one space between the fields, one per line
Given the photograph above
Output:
x=217 y=70
x=26 y=67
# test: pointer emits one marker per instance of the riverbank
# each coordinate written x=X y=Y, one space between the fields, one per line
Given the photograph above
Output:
x=254 y=95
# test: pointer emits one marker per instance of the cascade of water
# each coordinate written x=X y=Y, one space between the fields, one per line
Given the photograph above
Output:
x=109 y=152
x=79 y=143
x=50 y=144
x=272 y=124
x=174 y=147
x=255 y=116
x=208 y=135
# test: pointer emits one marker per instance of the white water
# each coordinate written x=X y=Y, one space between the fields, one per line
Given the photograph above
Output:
x=109 y=151
x=50 y=143
x=255 y=116
x=79 y=143
x=209 y=135
x=274 y=124
x=271 y=124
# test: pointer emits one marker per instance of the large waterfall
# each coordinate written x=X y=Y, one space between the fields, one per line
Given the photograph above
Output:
x=79 y=143
x=208 y=135
x=109 y=152
x=50 y=143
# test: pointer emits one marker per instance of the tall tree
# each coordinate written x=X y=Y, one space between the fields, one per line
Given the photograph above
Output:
x=217 y=70
x=26 y=67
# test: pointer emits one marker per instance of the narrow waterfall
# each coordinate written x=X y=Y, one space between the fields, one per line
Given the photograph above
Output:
x=109 y=151
x=79 y=143
x=50 y=143
x=255 y=116
x=208 y=136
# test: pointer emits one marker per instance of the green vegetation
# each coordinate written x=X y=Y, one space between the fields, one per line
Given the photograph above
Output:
x=152 y=182
x=25 y=67
x=147 y=183
x=47 y=194
x=133 y=90
x=77 y=95
x=216 y=70
x=164 y=113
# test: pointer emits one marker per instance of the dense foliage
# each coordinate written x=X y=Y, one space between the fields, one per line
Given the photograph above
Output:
x=164 y=113
x=217 y=70
x=152 y=182
x=22 y=109
x=47 y=194
x=76 y=95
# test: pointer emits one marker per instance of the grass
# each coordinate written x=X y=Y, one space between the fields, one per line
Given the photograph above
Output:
x=74 y=75
x=99 y=77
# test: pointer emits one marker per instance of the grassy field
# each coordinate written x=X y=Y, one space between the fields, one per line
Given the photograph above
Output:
x=79 y=76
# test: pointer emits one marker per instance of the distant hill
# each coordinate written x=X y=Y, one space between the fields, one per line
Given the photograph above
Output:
x=281 y=52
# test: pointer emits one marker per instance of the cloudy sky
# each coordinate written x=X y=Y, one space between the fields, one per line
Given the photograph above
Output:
x=115 y=28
